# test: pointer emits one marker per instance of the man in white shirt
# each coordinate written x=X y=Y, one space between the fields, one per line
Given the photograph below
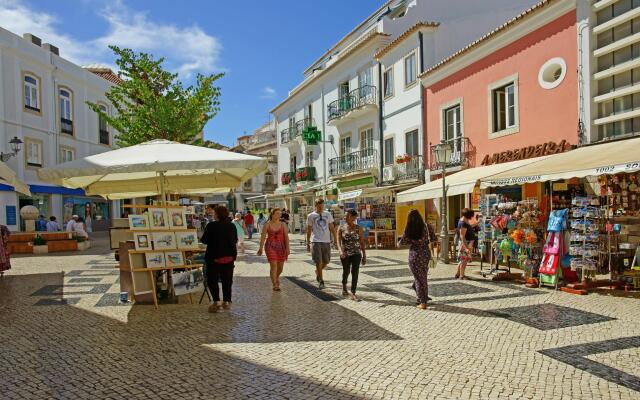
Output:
x=320 y=231
x=71 y=223
x=52 y=225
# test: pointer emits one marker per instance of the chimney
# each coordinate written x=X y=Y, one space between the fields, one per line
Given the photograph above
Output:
x=51 y=48
x=33 y=39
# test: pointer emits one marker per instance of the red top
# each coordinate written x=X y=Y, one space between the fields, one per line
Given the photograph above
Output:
x=248 y=219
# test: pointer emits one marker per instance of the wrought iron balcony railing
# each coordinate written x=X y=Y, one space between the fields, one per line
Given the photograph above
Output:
x=353 y=162
x=463 y=152
x=288 y=135
x=357 y=98
x=409 y=169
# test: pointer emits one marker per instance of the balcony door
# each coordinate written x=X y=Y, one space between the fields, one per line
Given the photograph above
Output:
x=343 y=96
x=365 y=82
x=453 y=132
x=367 y=151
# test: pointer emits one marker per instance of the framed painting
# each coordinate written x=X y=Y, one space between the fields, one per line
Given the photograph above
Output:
x=177 y=218
x=138 y=222
x=142 y=241
x=187 y=240
x=174 y=258
x=155 y=259
x=158 y=218
x=164 y=241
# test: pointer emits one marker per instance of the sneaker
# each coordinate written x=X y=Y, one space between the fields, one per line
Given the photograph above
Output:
x=321 y=285
x=213 y=308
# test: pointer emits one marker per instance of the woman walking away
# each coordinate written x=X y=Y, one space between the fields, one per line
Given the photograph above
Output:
x=274 y=240
x=467 y=238
x=241 y=230
x=221 y=238
x=416 y=235
x=352 y=252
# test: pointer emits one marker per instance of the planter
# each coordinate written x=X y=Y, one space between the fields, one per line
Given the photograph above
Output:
x=40 y=249
x=20 y=248
x=84 y=245
x=63 y=245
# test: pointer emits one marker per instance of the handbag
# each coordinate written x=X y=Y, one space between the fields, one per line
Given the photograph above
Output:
x=552 y=246
x=557 y=220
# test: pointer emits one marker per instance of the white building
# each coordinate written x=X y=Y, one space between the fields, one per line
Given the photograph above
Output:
x=609 y=47
x=43 y=103
x=261 y=143
x=365 y=121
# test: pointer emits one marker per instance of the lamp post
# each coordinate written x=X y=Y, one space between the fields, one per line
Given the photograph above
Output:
x=443 y=152
x=16 y=144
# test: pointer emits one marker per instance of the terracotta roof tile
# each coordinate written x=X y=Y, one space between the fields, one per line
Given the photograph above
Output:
x=106 y=73
x=404 y=35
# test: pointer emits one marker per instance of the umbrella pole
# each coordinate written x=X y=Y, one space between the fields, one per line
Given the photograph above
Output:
x=162 y=193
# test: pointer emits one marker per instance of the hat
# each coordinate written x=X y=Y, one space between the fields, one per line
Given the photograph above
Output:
x=74 y=216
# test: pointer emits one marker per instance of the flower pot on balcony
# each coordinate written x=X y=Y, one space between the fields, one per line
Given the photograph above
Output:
x=40 y=249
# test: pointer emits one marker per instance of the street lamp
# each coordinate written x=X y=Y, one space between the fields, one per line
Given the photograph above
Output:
x=443 y=152
x=16 y=144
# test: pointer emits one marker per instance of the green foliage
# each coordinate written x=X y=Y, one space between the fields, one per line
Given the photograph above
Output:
x=39 y=241
x=151 y=103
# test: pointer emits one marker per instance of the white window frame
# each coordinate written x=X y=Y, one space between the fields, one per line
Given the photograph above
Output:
x=308 y=158
x=414 y=54
x=388 y=83
x=63 y=151
x=65 y=104
x=392 y=156
x=30 y=102
x=366 y=133
x=443 y=122
x=514 y=127
x=344 y=150
x=28 y=153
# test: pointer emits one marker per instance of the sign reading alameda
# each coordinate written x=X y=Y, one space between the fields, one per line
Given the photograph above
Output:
x=527 y=152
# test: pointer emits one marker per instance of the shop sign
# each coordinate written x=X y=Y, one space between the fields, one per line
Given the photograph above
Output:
x=349 y=195
x=526 y=152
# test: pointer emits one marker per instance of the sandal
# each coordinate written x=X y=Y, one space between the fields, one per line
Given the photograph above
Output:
x=422 y=306
x=276 y=288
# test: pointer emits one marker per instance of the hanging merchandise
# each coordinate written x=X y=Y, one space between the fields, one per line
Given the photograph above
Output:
x=550 y=271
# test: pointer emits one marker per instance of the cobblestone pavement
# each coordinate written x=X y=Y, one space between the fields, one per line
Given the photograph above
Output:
x=63 y=335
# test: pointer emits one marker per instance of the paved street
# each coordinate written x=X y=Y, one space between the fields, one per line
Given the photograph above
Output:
x=64 y=336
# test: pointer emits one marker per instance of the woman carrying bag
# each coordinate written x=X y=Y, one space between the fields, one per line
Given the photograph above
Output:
x=352 y=252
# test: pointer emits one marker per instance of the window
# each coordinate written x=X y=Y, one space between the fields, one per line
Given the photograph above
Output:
x=366 y=139
x=66 y=113
x=268 y=178
x=410 y=69
x=248 y=184
x=31 y=93
x=365 y=82
x=308 y=114
x=388 y=82
x=293 y=162
x=504 y=106
x=452 y=123
x=345 y=145
x=66 y=154
x=343 y=89
x=412 y=143
x=388 y=151
x=34 y=153
x=102 y=126
x=308 y=158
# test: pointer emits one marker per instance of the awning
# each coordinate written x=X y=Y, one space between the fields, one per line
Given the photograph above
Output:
x=600 y=159
x=461 y=182
x=56 y=190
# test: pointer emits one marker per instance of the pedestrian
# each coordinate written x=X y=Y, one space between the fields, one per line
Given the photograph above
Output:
x=241 y=230
x=41 y=224
x=274 y=239
x=248 y=221
x=416 y=235
x=79 y=228
x=5 y=257
x=261 y=221
x=320 y=232
x=71 y=222
x=467 y=239
x=52 y=225
x=285 y=216
x=352 y=252
x=221 y=238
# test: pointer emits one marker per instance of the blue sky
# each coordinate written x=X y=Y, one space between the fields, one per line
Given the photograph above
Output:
x=262 y=46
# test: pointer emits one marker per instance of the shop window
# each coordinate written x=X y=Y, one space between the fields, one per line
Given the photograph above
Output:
x=410 y=69
x=66 y=111
x=388 y=82
x=66 y=154
x=33 y=153
x=412 y=143
x=504 y=107
x=388 y=151
x=31 y=93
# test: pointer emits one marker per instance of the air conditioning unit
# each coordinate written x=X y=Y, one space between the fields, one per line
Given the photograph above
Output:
x=388 y=174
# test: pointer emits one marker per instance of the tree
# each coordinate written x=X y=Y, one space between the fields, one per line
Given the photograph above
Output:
x=151 y=103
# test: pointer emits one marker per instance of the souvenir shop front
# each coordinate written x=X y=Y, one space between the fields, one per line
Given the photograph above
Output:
x=588 y=216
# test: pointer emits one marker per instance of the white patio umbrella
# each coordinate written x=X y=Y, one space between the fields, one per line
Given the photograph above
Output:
x=155 y=168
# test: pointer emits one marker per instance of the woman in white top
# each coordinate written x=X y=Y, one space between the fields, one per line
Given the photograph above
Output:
x=79 y=229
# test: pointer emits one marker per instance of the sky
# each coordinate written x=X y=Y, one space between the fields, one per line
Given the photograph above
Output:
x=262 y=46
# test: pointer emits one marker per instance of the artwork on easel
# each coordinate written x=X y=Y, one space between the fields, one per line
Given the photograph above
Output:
x=138 y=222
x=164 y=241
x=142 y=241
x=177 y=218
x=187 y=240
x=158 y=218
x=191 y=281
x=155 y=260
x=174 y=258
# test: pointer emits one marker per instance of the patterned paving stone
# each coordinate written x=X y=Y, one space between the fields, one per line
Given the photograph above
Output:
x=389 y=273
x=313 y=289
x=58 y=290
x=85 y=280
x=110 y=300
x=57 y=302
x=551 y=316
x=456 y=289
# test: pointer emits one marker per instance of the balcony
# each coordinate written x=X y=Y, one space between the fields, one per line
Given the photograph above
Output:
x=463 y=152
x=288 y=137
x=358 y=161
x=404 y=170
x=66 y=126
x=357 y=102
x=305 y=174
x=269 y=187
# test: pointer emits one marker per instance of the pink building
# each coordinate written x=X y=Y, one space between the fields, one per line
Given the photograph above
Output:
x=512 y=94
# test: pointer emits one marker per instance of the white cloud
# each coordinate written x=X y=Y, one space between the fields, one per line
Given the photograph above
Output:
x=187 y=50
x=268 y=92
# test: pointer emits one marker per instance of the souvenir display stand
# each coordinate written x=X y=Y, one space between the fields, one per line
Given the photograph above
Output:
x=378 y=221
x=584 y=247
x=163 y=247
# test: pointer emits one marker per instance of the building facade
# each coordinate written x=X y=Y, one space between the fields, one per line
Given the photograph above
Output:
x=357 y=113
x=263 y=143
x=511 y=95
x=43 y=104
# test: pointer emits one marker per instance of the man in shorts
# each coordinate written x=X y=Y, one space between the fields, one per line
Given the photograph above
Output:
x=320 y=231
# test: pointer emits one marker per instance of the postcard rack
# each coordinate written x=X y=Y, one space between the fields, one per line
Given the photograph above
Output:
x=163 y=244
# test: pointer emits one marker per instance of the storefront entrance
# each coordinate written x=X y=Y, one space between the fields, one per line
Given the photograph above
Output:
x=39 y=201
